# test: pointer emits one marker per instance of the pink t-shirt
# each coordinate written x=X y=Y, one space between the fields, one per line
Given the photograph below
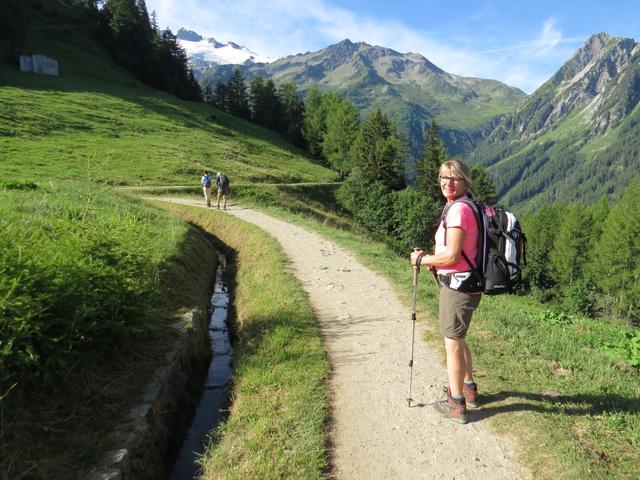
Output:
x=459 y=215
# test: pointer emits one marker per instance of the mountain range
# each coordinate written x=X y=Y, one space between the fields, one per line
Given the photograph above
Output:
x=576 y=137
x=408 y=87
x=209 y=50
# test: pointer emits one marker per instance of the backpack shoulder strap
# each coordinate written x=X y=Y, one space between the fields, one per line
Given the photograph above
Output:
x=477 y=210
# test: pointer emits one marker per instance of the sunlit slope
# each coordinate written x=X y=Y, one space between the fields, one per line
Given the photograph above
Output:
x=96 y=121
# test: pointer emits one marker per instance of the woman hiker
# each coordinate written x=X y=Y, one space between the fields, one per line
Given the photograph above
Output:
x=457 y=233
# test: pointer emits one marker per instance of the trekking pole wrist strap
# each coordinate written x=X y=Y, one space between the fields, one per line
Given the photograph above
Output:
x=419 y=260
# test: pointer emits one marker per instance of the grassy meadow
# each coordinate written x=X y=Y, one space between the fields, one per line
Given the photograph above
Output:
x=121 y=134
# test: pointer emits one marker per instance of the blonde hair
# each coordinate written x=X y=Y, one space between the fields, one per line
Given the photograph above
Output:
x=457 y=168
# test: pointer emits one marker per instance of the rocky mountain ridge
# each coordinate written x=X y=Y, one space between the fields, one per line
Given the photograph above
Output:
x=408 y=87
x=589 y=80
x=203 y=52
x=573 y=137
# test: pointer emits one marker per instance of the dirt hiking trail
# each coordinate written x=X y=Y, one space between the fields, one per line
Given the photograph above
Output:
x=367 y=335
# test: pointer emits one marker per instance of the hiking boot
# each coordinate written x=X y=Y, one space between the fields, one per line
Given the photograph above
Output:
x=451 y=408
x=471 y=395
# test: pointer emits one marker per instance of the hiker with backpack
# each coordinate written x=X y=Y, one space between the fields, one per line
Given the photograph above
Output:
x=457 y=299
x=223 y=188
x=478 y=250
x=206 y=186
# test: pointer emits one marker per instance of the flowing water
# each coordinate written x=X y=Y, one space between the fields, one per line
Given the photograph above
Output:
x=215 y=394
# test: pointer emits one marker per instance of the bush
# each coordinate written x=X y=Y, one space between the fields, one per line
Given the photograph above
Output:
x=371 y=205
x=627 y=349
x=579 y=297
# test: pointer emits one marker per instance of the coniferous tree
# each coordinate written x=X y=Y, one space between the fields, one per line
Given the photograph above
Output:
x=617 y=258
x=541 y=229
x=154 y=21
x=567 y=255
x=428 y=166
x=313 y=125
x=238 y=96
x=208 y=96
x=273 y=107
x=174 y=73
x=484 y=189
x=221 y=97
x=599 y=213
x=342 y=127
x=378 y=151
x=266 y=108
x=154 y=58
x=292 y=112
x=256 y=101
x=13 y=27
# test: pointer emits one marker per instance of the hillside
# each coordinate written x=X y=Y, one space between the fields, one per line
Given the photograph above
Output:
x=576 y=137
x=93 y=281
x=409 y=88
x=96 y=120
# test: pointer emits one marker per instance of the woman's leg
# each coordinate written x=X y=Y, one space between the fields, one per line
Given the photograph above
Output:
x=456 y=365
x=468 y=362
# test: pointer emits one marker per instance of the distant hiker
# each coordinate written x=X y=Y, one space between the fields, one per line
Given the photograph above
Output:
x=223 y=188
x=456 y=237
x=206 y=186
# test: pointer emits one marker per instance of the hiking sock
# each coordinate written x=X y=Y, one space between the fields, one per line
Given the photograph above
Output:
x=457 y=398
x=470 y=392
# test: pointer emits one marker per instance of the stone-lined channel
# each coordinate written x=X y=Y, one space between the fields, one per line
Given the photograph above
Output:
x=215 y=394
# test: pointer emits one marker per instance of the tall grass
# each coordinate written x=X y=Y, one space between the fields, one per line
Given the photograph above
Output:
x=79 y=270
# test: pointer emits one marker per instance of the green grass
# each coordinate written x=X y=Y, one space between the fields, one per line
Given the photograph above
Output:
x=53 y=127
x=78 y=264
x=91 y=282
x=136 y=137
x=278 y=416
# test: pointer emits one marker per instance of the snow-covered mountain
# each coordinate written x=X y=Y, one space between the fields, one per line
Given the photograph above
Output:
x=210 y=50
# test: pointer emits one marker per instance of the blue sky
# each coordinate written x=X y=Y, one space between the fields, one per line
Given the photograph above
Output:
x=519 y=43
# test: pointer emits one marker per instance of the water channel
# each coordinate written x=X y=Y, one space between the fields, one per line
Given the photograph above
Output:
x=215 y=394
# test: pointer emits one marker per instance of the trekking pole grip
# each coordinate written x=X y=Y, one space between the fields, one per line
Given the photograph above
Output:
x=416 y=267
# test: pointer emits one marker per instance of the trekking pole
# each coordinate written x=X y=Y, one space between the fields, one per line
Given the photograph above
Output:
x=416 y=272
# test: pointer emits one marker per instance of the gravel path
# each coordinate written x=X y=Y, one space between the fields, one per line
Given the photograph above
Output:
x=367 y=334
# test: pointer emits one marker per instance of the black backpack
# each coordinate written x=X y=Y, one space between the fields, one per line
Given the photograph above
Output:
x=501 y=250
x=224 y=181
